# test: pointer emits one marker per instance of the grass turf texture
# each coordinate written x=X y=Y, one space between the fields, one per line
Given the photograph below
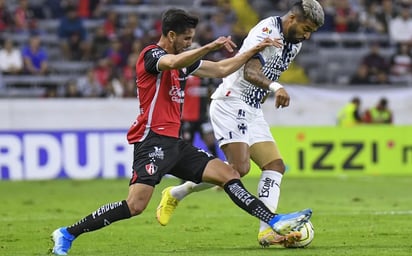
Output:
x=352 y=216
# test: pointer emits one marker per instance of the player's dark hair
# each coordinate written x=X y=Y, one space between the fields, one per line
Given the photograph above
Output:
x=297 y=9
x=178 y=20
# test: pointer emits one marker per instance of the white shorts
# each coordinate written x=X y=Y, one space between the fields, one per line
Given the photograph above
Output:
x=235 y=121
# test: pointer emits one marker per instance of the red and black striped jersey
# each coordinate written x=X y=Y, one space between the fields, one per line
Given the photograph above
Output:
x=160 y=96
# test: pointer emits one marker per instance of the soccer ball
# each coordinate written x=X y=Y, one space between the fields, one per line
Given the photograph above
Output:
x=308 y=233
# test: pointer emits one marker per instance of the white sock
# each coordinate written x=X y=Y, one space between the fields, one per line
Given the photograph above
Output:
x=181 y=191
x=269 y=191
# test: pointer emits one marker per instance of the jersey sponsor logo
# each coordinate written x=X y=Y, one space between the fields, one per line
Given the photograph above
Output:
x=158 y=153
x=157 y=53
x=176 y=94
x=267 y=184
x=151 y=168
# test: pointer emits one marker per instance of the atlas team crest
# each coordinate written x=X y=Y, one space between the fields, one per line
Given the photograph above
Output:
x=151 y=168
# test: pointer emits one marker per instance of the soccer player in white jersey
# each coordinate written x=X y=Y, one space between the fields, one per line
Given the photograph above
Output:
x=237 y=117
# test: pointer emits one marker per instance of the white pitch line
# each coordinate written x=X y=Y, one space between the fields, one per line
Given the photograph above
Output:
x=408 y=212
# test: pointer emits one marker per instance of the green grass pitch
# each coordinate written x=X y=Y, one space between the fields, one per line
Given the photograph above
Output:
x=352 y=216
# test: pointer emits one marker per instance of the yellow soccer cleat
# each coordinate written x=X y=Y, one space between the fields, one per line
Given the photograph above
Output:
x=269 y=237
x=166 y=207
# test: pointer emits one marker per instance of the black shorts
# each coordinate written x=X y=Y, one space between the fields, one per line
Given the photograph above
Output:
x=159 y=155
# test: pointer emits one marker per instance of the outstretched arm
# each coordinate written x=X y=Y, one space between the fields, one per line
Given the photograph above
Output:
x=227 y=66
x=184 y=59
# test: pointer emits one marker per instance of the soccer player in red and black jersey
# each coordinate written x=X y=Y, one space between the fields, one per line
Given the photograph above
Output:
x=158 y=149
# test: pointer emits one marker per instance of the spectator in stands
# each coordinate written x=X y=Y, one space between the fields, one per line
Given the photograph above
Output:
x=111 y=24
x=131 y=2
x=204 y=36
x=219 y=24
x=385 y=15
x=54 y=9
x=51 y=92
x=133 y=22
x=377 y=64
x=24 y=20
x=77 y=48
x=5 y=18
x=73 y=35
x=11 y=60
x=137 y=47
x=361 y=76
x=126 y=39
x=225 y=6
x=368 y=19
x=401 y=64
x=90 y=9
x=114 y=88
x=128 y=77
x=329 y=25
x=35 y=57
x=349 y=115
x=380 y=114
x=100 y=44
x=346 y=18
x=89 y=86
x=400 y=28
x=115 y=54
x=71 y=90
x=103 y=72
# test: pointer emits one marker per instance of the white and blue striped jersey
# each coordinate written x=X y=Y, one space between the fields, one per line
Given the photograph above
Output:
x=274 y=62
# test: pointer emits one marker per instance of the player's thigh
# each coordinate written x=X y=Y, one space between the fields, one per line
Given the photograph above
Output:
x=264 y=153
x=207 y=133
x=219 y=173
x=139 y=197
x=238 y=155
x=263 y=149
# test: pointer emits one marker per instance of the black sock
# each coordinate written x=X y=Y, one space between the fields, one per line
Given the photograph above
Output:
x=248 y=202
x=100 y=218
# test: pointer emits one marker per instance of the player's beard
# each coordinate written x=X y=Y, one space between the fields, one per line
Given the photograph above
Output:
x=178 y=48
x=291 y=35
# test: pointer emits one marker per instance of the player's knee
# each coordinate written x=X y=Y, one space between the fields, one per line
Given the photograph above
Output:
x=276 y=165
x=135 y=208
x=242 y=168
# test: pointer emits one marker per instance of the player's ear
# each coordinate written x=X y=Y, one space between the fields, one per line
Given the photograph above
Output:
x=171 y=35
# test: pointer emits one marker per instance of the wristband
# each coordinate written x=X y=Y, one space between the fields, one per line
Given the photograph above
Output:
x=274 y=86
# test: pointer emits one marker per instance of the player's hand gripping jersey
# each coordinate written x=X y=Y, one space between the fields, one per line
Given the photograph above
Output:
x=274 y=61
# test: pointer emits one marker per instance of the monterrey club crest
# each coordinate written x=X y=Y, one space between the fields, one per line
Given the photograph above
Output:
x=151 y=168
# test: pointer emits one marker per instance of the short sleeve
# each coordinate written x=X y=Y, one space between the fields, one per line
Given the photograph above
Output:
x=192 y=68
x=151 y=60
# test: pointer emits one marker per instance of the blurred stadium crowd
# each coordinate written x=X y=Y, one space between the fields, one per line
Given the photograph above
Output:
x=88 y=48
